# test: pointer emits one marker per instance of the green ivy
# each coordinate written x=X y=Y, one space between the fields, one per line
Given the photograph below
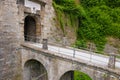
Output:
x=97 y=19
x=81 y=76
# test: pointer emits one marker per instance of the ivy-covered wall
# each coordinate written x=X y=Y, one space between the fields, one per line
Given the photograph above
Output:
x=94 y=21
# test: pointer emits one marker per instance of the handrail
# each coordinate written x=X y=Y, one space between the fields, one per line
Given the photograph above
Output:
x=73 y=54
x=77 y=53
x=32 y=38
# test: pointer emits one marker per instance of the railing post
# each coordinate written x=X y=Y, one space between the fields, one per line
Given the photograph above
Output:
x=73 y=52
x=64 y=41
x=112 y=60
x=45 y=44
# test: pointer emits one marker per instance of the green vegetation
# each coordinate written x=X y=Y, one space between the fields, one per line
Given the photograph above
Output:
x=66 y=11
x=93 y=20
x=81 y=76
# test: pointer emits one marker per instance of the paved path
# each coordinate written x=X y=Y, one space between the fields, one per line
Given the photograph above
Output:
x=81 y=54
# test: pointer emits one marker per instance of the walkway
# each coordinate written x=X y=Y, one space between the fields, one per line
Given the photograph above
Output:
x=81 y=54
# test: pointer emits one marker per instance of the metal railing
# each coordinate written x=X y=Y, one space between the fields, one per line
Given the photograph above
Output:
x=89 y=57
x=32 y=38
x=85 y=54
x=109 y=61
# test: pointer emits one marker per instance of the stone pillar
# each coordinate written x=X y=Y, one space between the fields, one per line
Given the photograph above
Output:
x=64 y=41
x=42 y=10
x=112 y=59
x=45 y=44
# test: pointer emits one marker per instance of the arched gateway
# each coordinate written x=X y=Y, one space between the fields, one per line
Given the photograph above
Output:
x=30 y=29
x=34 y=70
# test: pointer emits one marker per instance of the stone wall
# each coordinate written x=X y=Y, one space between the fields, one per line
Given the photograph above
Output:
x=52 y=30
x=47 y=24
x=12 y=16
x=12 y=34
x=9 y=41
x=57 y=64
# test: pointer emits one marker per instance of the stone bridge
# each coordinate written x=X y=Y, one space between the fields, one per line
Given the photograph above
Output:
x=41 y=64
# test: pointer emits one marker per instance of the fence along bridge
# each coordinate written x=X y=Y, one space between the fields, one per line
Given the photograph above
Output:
x=49 y=62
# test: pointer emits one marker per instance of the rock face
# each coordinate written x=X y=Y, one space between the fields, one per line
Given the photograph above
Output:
x=52 y=30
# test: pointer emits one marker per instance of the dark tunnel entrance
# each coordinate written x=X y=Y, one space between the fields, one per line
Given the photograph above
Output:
x=30 y=29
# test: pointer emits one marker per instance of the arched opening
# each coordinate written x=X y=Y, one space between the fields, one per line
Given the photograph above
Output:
x=34 y=70
x=30 y=29
x=68 y=76
x=75 y=75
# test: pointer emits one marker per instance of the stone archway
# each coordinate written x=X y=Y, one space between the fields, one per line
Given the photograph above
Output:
x=68 y=76
x=30 y=29
x=74 y=75
x=34 y=70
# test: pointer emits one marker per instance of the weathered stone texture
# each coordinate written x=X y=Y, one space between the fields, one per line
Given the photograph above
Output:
x=46 y=26
x=57 y=65
x=52 y=30
x=12 y=17
x=9 y=41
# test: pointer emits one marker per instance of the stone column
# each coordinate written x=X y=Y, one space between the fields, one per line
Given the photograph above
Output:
x=112 y=59
x=42 y=10
x=64 y=41
x=45 y=44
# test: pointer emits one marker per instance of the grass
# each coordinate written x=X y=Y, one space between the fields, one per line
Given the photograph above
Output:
x=81 y=76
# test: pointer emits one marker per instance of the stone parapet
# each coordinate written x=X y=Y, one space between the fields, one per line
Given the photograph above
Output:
x=57 y=64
